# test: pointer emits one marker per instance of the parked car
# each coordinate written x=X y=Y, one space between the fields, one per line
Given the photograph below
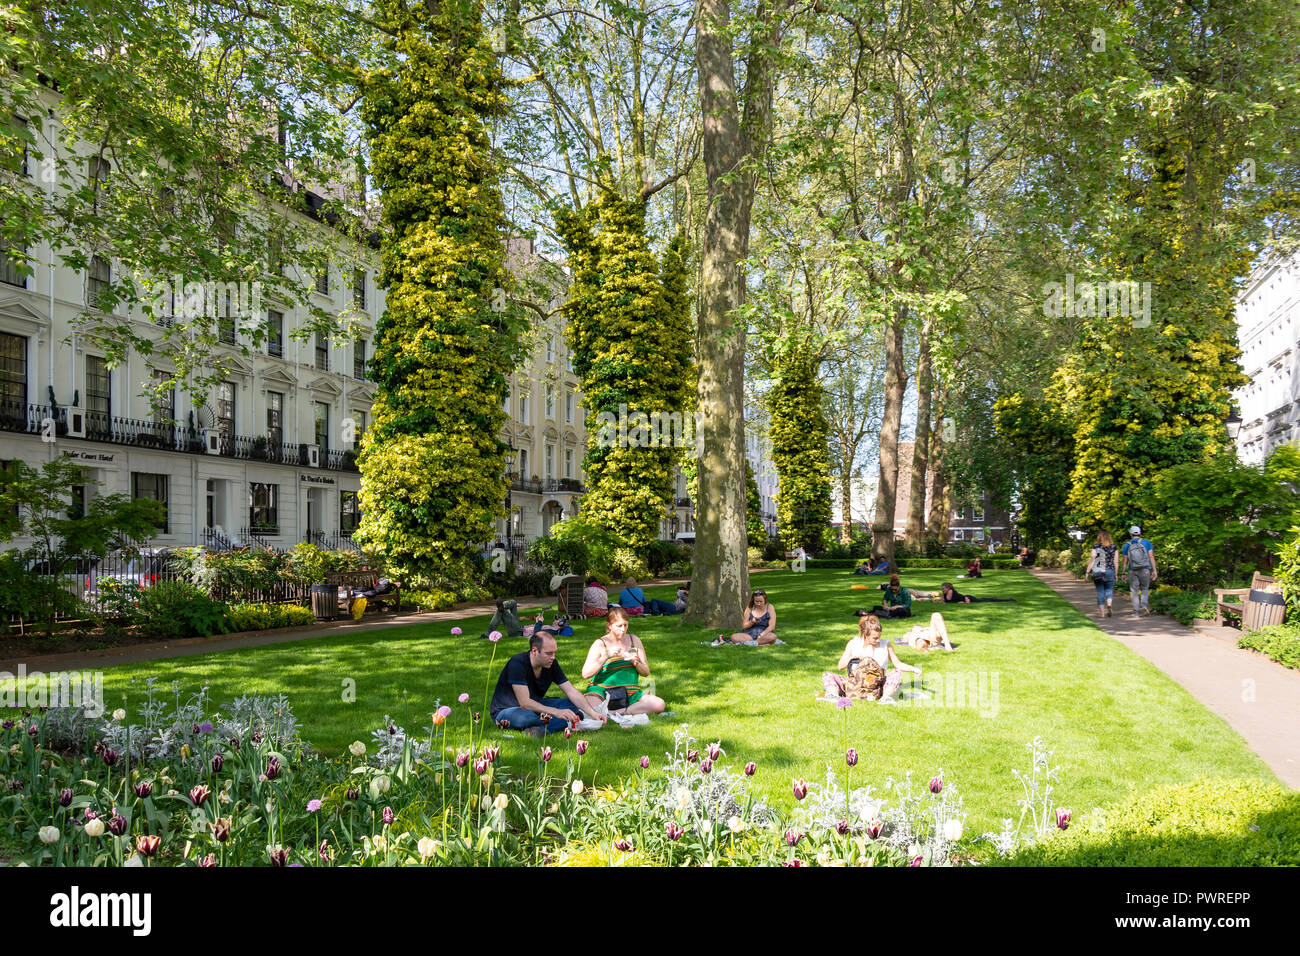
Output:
x=142 y=568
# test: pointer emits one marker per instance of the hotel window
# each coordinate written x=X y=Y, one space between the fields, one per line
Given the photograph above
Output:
x=98 y=276
x=568 y=408
x=978 y=512
x=99 y=392
x=226 y=410
x=275 y=419
x=359 y=359
x=154 y=488
x=959 y=535
x=568 y=463
x=275 y=333
x=550 y=462
x=164 y=402
x=263 y=506
x=349 y=513
x=323 y=281
x=226 y=322
x=523 y=410
x=550 y=401
x=359 y=288
x=359 y=423
x=322 y=432
x=523 y=463
x=13 y=374
x=97 y=172
x=322 y=352
x=12 y=256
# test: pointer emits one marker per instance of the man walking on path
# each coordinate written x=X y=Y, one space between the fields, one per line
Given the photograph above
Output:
x=1139 y=555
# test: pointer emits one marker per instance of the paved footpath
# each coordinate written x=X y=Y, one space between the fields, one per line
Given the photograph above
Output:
x=1259 y=698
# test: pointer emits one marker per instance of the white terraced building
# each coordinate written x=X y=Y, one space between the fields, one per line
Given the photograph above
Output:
x=1268 y=333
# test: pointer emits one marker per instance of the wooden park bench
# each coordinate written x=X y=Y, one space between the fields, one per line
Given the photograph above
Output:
x=365 y=581
x=1261 y=604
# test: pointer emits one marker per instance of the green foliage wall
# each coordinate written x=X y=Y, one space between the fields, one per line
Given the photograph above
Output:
x=755 y=531
x=631 y=337
x=432 y=461
x=799 y=433
x=1038 y=449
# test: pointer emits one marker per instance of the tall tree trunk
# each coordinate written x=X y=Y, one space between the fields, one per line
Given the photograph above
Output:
x=882 y=528
x=940 y=508
x=720 y=570
x=846 y=492
x=915 y=536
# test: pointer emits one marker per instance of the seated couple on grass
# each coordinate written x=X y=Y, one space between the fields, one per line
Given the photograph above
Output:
x=872 y=566
x=867 y=660
x=633 y=600
x=759 y=625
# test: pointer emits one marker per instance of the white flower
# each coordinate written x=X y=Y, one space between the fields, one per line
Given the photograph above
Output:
x=952 y=830
x=577 y=787
x=502 y=801
x=683 y=799
x=735 y=824
x=94 y=828
x=381 y=784
x=375 y=844
x=486 y=803
x=356 y=748
x=119 y=714
x=134 y=861
x=51 y=834
x=427 y=847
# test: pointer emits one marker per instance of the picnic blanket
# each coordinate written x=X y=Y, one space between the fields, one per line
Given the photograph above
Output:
x=741 y=643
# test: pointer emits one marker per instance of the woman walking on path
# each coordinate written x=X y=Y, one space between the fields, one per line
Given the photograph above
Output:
x=1101 y=568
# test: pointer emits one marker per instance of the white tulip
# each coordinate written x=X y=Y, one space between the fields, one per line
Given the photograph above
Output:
x=735 y=824
x=119 y=714
x=952 y=830
x=51 y=834
x=356 y=748
x=427 y=847
x=577 y=787
x=94 y=828
x=502 y=801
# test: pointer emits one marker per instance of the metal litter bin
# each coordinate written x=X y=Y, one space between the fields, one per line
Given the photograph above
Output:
x=325 y=601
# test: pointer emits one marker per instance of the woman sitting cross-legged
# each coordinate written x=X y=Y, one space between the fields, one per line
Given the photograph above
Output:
x=759 y=624
x=923 y=638
x=867 y=659
x=595 y=599
x=615 y=665
x=896 y=601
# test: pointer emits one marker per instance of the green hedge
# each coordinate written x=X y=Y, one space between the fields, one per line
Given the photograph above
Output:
x=1206 y=823
x=433 y=599
x=1282 y=643
x=1183 y=606
x=904 y=563
x=263 y=617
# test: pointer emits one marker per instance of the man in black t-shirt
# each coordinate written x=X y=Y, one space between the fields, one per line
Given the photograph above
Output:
x=520 y=701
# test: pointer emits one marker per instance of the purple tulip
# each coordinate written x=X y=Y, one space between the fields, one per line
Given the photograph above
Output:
x=706 y=765
x=873 y=829
x=323 y=851
x=195 y=729
x=793 y=863
x=217 y=762
x=851 y=758
x=272 y=768
x=693 y=756
x=109 y=756
x=546 y=754
x=623 y=845
x=199 y=795
x=392 y=729
x=7 y=725
x=353 y=793
x=33 y=731
x=220 y=829
x=480 y=766
x=675 y=832
x=98 y=748
x=581 y=747
x=462 y=758
x=234 y=742
x=147 y=845
x=936 y=784
x=209 y=860
x=15 y=785
x=491 y=754
x=800 y=789
x=279 y=855
x=257 y=736
x=65 y=797
x=1062 y=817
x=714 y=752
x=915 y=861
x=388 y=816
x=751 y=768
x=645 y=763
x=313 y=806
x=843 y=828
x=793 y=837
x=117 y=825
x=143 y=789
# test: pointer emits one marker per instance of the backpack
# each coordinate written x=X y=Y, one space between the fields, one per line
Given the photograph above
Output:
x=1136 y=548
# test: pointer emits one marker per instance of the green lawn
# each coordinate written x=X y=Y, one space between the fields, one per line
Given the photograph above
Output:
x=1116 y=723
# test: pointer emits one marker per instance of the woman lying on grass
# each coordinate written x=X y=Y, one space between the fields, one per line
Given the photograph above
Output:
x=925 y=638
x=759 y=624
x=867 y=659
x=615 y=665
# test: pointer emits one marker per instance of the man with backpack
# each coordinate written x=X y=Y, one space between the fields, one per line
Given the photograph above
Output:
x=1139 y=555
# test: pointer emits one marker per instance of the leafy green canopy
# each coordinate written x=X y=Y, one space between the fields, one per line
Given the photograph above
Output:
x=431 y=464
x=631 y=337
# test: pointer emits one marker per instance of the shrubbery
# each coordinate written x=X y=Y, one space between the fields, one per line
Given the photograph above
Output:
x=1207 y=823
x=432 y=599
x=172 y=609
x=1282 y=643
x=1183 y=606
x=262 y=617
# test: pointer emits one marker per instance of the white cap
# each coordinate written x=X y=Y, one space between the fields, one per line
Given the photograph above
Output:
x=1135 y=530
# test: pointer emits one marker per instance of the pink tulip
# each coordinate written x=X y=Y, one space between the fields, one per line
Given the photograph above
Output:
x=793 y=837
x=751 y=768
x=793 y=863
x=1062 y=817
x=546 y=754
x=645 y=763
x=581 y=747
x=706 y=765
x=675 y=832
x=874 y=828
x=936 y=784
x=715 y=752
x=480 y=766
x=851 y=758
x=800 y=789
x=388 y=816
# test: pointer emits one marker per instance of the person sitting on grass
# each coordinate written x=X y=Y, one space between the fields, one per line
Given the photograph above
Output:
x=759 y=624
x=866 y=660
x=974 y=569
x=683 y=595
x=633 y=600
x=926 y=638
x=951 y=596
x=520 y=702
x=615 y=664
x=865 y=567
x=896 y=601
x=879 y=566
x=595 y=599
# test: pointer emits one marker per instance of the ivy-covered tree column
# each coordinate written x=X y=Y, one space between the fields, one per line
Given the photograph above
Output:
x=800 y=451
x=432 y=462
x=630 y=332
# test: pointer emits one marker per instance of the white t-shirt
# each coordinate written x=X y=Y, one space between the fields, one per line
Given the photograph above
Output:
x=879 y=653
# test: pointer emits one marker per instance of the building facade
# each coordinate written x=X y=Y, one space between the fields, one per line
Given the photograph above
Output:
x=1268 y=329
x=973 y=522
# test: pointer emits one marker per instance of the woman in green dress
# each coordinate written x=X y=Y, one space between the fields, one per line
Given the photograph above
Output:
x=615 y=665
